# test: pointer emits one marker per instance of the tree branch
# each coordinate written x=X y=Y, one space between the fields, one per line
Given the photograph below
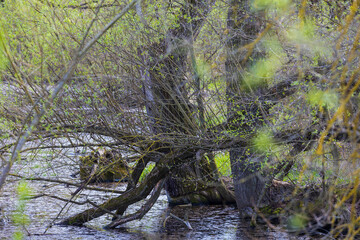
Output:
x=67 y=183
x=159 y=172
x=143 y=210
x=67 y=76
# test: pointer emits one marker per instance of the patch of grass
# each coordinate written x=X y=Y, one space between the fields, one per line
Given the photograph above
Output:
x=222 y=161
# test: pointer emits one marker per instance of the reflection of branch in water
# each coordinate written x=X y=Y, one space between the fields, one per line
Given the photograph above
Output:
x=87 y=201
x=185 y=222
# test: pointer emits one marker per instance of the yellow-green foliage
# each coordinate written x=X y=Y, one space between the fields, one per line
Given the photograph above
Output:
x=222 y=161
x=319 y=98
x=5 y=127
x=297 y=222
x=18 y=235
x=271 y=4
x=37 y=34
x=19 y=216
x=23 y=191
x=263 y=70
x=303 y=35
x=3 y=57
x=264 y=142
x=46 y=33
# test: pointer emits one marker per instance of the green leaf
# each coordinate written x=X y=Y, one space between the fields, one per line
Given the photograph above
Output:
x=303 y=34
x=20 y=219
x=18 y=235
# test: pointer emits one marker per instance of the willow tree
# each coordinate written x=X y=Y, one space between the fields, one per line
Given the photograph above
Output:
x=166 y=88
x=178 y=142
x=176 y=118
x=179 y=135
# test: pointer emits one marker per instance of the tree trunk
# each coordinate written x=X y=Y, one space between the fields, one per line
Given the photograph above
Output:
x=170 y=110
x=244 y=108
x=196 y=182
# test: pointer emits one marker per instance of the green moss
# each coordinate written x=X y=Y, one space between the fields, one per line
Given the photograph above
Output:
x=268 y=210
x=146 y=171
x=109 y=168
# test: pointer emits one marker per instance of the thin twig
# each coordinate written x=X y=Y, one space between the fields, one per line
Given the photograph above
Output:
x=68 y=183
x=67 y=76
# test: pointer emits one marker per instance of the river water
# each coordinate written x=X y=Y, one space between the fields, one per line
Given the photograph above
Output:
x=208 y=222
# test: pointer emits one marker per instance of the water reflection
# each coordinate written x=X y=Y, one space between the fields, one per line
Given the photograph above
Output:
x=208 y=222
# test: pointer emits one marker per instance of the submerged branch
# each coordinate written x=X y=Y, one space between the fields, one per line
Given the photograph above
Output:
x=143 y=210
x=159 y=172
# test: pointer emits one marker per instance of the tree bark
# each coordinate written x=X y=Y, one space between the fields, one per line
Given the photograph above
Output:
x=170 y=110
x=132 y=196
x=244 y=107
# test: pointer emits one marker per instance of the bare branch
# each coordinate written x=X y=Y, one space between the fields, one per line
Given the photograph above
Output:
x=143 y=210
x=68 y=183
x=159 y=172
x=67 y=76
